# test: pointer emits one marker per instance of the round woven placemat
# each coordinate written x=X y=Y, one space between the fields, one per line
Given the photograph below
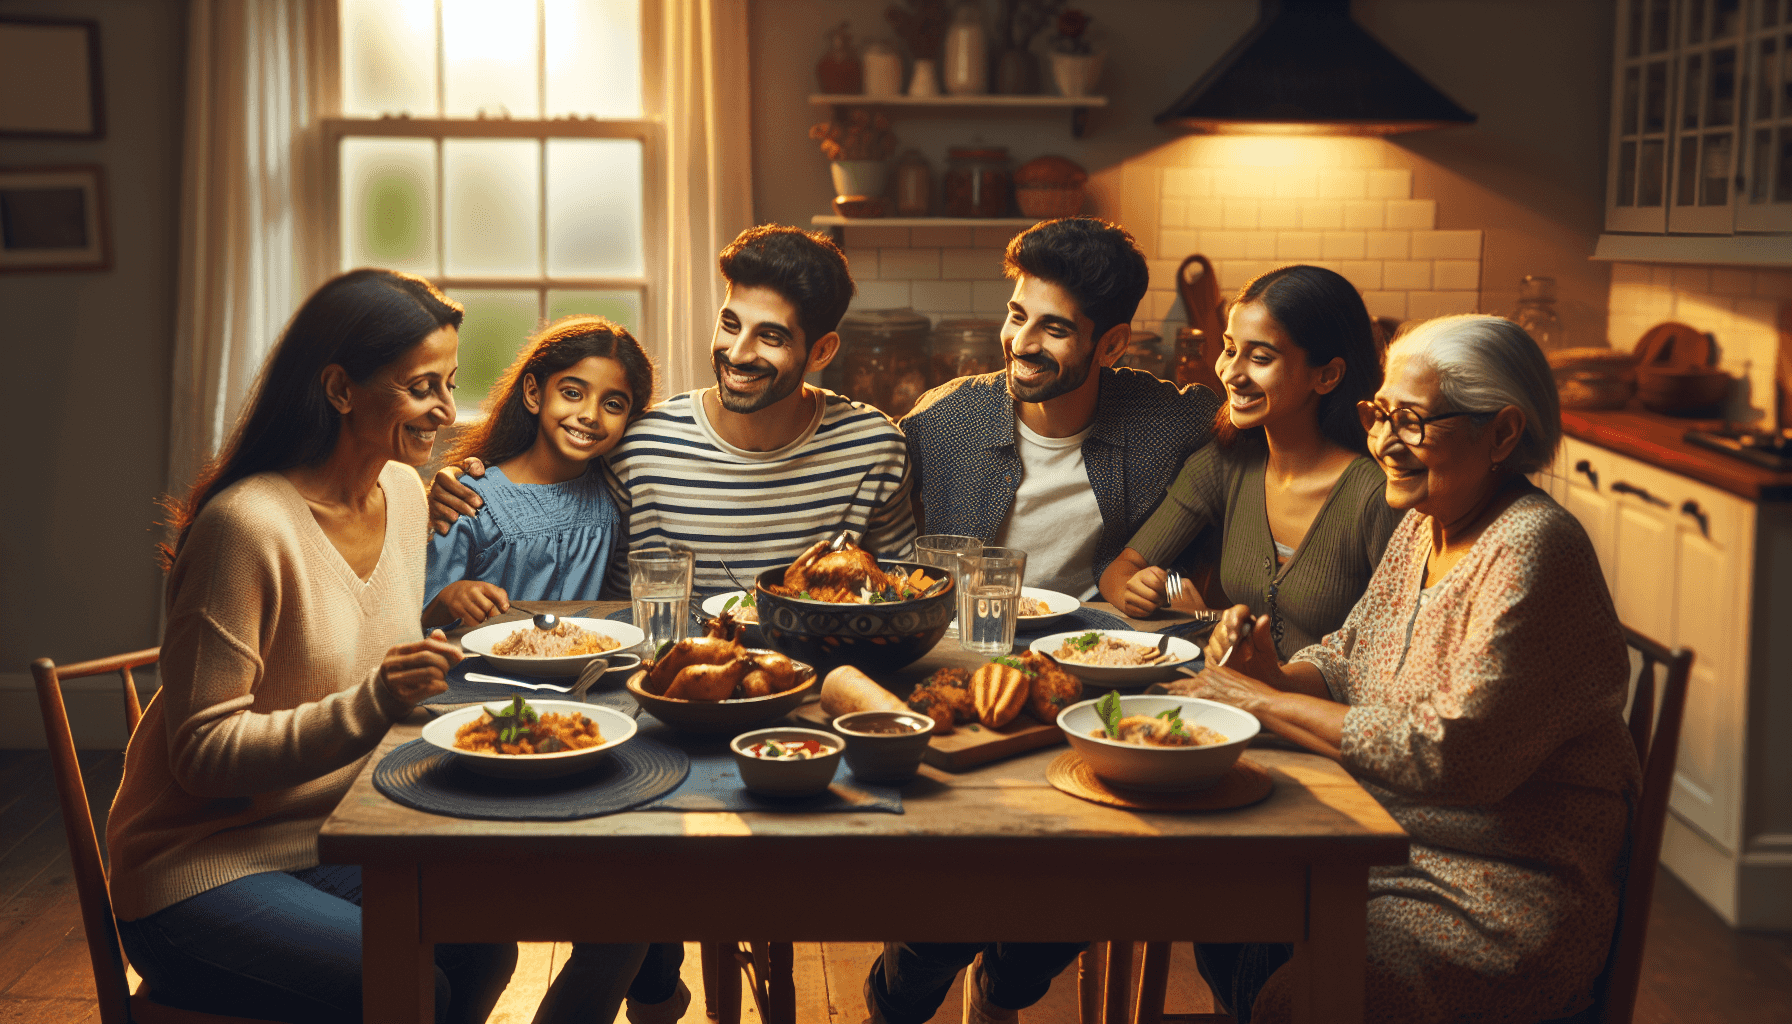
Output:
x=1246 y=783
x=426 y=778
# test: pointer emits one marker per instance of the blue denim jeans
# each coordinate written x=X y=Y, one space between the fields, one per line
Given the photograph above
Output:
x=1237 y=972
x=910 y=980
x=286 y=946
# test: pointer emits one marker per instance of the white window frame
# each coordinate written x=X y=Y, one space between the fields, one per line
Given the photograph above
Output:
x=648 y=130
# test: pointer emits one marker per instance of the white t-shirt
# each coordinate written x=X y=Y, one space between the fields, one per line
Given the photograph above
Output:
x=1055 y=519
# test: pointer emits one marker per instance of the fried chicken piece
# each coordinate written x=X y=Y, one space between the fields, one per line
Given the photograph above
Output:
x=724 y=627
x=708 y=682
x=945 y=697
x=1053 y=688
x=689 y=651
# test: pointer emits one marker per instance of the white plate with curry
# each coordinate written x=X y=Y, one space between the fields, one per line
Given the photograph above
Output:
x=614 y=727
x=1116 y=658
x=1056 y=607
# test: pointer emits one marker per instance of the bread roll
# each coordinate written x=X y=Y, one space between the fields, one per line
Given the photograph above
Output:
x=846 y=690
x=999 y=692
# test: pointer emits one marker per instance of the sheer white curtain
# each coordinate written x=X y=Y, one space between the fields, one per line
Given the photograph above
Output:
x=708 y=162
x=252 y=244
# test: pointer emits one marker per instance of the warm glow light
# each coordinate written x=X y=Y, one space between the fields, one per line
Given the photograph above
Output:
x=1280 y=151
x=1338 y=127
x=489 y=49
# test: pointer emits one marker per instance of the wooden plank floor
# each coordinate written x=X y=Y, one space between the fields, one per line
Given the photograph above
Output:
x=1695 y=970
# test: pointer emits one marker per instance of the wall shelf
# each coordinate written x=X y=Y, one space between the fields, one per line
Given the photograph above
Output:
x=1736 y=250
x=1079 y=106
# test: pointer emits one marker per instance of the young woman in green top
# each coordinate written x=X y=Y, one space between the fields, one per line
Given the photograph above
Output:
x=1287 y=480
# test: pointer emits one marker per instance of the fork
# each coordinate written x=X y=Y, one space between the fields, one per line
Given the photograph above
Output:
x=1173 y=587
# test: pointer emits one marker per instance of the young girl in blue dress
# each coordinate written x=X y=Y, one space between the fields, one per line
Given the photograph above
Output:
x=547 y=528
x=546 y=532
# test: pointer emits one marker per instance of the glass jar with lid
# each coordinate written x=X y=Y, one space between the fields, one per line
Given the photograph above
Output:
x=882 y=360
x=1190 y=361
x=1537 y=312
x=964 y=348
x=977 y=182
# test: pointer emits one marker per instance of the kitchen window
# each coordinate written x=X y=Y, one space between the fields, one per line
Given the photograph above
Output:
x=505 y=150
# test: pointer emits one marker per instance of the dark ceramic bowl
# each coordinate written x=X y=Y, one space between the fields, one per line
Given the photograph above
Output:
x=872 y=637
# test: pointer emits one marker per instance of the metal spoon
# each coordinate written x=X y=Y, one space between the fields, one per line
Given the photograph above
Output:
x=543 y=620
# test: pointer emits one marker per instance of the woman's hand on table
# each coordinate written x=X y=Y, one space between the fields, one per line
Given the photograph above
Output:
x=470 y=601
x=1221 y=683
x=418 y=670
x=449 y=499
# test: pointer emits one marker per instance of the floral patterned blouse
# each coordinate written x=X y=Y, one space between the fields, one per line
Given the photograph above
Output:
x=1495 y=737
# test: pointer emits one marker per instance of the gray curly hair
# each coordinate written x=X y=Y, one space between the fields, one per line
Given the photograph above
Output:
x=1485 y=363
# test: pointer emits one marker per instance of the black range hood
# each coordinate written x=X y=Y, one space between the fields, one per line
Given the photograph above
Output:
x=1307 y=68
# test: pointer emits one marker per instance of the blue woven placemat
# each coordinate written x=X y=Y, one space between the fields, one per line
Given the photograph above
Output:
x=609 y=690
x=714 y=783
x=424 y=777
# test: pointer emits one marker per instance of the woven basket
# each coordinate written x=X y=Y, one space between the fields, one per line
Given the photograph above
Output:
x=1049 y=201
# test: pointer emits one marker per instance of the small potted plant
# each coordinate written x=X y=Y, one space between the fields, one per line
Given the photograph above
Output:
x=1076 y=66
x=859 y=144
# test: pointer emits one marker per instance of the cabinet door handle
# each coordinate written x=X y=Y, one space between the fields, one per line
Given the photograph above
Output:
x=1583 y=466
x=1691 y=508
x=1620 y=487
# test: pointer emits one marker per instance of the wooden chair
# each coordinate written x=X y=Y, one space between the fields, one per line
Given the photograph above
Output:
x=118 y=1005
x=1656 y=737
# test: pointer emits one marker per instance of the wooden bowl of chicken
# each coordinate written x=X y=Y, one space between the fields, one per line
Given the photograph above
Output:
x=879 y=626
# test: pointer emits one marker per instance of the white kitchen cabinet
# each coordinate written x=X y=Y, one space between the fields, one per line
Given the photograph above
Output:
x=1682 y=563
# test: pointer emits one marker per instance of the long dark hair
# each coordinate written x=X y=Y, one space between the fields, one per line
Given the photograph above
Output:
x=362 y=321
x=1323 y=314
x=510 y=428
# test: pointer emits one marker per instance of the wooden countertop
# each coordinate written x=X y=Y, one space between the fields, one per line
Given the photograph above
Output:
x=1659 y=440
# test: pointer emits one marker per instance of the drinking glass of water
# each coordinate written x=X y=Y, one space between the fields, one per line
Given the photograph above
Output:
x=659 y=581
x=988 y=615
x=943 y=551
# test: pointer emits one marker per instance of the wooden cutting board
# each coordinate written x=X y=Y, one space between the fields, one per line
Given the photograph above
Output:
x=968 y=745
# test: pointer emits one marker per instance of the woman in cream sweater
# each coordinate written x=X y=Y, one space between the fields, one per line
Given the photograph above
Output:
x=295 y=586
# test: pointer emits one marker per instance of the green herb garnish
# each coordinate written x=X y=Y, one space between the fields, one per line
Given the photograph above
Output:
x=1174 y=717
x=513 y=720
x=1085 y=642
x=736 y=599
x=1014 y=664
x=975 y=728
x=661 y=653
x=1108 y=708
x=804 y=594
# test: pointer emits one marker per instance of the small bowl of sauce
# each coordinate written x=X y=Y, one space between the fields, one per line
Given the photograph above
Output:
x=884 y=746
x=786 y=762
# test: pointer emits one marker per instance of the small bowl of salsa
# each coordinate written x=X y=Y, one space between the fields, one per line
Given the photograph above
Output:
x=787 y=761
x=884 y=746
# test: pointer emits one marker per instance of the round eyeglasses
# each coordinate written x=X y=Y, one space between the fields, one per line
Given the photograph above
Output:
x=1407 y=425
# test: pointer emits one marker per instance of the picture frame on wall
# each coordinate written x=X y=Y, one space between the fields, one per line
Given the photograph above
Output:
x=53 y=218
x=50 y=78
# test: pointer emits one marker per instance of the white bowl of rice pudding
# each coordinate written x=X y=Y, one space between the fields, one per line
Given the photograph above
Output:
x=1220 y=733
x=517 y=646
x=1116 y=658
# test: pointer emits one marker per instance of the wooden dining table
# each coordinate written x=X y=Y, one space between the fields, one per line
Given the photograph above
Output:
x=992 y=853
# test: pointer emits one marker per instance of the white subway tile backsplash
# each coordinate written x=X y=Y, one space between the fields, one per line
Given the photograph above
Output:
x=1446 y=245
x=1390 y=183
x=1241 y=215
x=1732 y=281
x=1163 y=272
x=1773 y=284
x=1365 y=274
x=1300 y=245
x=1173 y=213
x=1365 y=214
x=1296 y=183
x=1661 y=277
x=994 y=238
x=1412 y=214
x=1456 y=275
x=882 y=295
x=941 y=237
x=1206 y=213
x=1388 y=245
x=1343 y=245
x=1243 y=183
x=1646 y=301
x=1156 y=304
x=1177 y=244
x=990 y=298
x=1630 y=273
x=1386 y=304
x=1187 y=182
x=1406 y=275
x=1279 y=215
x=1260 y=245
x=1322 y=215
x=1706 y=312
x=861 y=263
x=875 y=237
x=1224 y=245
x=941 y=296
x=1343 y=183
x=1692 y=279
x=1425 y=305
x=970 y=264
x=909 y=264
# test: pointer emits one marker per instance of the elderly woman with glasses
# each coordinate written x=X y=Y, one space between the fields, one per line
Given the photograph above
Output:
x=1476 y=691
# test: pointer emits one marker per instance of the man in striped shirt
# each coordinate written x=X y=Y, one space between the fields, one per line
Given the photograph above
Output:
x=756 y=469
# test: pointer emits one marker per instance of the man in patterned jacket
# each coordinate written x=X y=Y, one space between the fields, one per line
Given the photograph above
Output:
x=1059 y=455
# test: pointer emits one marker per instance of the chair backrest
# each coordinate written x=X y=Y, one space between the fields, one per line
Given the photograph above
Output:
x=1657 y=739
x=77 y=818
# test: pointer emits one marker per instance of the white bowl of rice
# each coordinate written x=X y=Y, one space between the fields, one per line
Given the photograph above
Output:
x=517 y=646
x=1116 y=658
